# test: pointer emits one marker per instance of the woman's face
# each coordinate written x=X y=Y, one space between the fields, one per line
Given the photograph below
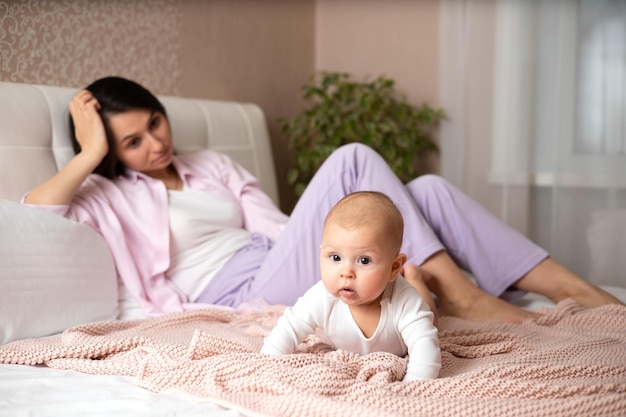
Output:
x=142 y=140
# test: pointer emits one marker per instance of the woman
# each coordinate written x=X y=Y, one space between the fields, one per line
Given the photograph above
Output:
x=196 y=228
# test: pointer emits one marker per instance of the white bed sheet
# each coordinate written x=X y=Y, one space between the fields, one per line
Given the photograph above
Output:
x=38 y=391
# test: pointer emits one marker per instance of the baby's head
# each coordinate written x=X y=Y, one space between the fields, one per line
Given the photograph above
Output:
x=360 y=247
x=371 y=210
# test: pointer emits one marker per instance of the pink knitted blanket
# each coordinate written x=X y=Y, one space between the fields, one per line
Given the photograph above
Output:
x=570 y=362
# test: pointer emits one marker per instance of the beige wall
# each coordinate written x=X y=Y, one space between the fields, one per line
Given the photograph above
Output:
x=249 y=50
x=245 y=50
x=395 y=38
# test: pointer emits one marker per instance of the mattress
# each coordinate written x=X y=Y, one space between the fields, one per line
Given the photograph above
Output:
x=41 y=391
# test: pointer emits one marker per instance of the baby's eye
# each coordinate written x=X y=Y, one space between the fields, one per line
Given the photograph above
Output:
x=364 y=260
x=133 y=143
x=335 y=258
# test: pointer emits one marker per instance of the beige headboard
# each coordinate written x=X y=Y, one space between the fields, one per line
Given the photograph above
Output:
x=34 y=138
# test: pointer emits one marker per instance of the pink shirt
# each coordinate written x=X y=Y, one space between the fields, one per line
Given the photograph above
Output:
x=131 y=213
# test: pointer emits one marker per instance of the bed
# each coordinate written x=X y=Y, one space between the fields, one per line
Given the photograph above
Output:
x=74 y=343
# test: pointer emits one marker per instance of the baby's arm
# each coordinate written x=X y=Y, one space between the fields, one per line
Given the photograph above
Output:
x=294 y=325
x=420 y=335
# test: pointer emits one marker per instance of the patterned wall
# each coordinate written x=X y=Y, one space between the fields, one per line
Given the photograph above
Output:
x=73 y=42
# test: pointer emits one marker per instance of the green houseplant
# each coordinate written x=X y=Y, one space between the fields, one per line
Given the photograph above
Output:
x=339 y=110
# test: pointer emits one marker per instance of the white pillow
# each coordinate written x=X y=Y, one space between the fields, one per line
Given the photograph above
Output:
x=54 y=274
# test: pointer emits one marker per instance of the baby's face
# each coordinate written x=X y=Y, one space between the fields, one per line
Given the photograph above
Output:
x=356 y=264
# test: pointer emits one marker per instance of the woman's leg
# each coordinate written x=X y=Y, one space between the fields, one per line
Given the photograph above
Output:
x=292 y=265
x=457 y=296
x=553 y=280
x=476 y=240
x=500 y=258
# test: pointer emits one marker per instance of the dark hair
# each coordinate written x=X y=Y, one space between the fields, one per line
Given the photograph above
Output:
x=116 y=95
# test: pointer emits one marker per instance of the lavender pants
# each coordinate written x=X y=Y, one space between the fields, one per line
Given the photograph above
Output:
x=437 y=216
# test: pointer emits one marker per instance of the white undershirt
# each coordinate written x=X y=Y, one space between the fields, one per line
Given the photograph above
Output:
x=205 y=232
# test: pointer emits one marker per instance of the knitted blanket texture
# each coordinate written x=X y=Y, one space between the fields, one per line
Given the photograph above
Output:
x=569 y=362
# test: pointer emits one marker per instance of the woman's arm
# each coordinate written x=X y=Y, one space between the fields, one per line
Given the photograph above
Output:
x=91 y=135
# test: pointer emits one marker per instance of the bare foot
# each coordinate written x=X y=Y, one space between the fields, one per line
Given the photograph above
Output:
x=459 y=297
x=476 y=305
x=417 y=278
x=469 y=302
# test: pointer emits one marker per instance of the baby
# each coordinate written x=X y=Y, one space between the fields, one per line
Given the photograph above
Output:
x=362 y=303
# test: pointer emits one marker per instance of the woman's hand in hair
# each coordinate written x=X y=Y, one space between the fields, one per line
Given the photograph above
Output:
x=91 y=136
x=88 y=125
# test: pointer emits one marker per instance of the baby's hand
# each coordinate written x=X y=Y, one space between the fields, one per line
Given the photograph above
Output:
x=88 y=124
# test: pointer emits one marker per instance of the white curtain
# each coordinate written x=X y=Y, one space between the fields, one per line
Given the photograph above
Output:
x=537 y=89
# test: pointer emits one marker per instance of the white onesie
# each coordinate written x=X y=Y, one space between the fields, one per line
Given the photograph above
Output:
x=405 y=326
